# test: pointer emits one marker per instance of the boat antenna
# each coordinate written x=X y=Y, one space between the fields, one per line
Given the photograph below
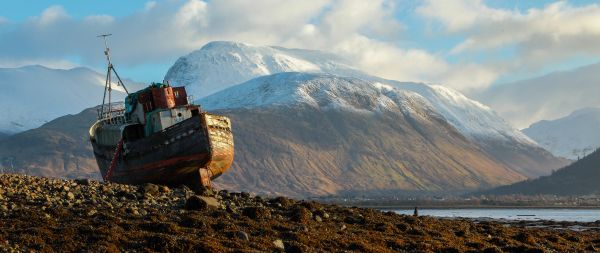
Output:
x=108 y=84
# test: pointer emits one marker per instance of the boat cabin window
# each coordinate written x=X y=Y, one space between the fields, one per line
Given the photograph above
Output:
x=133 y=132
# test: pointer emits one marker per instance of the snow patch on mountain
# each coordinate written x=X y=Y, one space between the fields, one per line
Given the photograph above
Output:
x=320 y=91
x=33 y=95
x=468 y=116
x=573 y=136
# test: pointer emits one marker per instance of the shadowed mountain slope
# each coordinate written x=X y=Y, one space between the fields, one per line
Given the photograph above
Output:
x=579 y=178
x=59 y=148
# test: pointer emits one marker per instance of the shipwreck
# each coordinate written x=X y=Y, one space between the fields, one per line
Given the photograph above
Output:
x=159 y=136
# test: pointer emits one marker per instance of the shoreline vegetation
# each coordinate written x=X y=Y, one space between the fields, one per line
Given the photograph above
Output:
x=42 y=214
x=386 y=208
x=501 y=201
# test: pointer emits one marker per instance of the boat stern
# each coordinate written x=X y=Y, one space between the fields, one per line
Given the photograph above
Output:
x=220 y=138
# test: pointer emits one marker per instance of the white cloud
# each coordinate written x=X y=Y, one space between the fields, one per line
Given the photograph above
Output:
x=173 y=28
x=547 y=97
x=99 y=19
x=469 y=77
x=3 y=21
x=149 y=5
x=159 y=32
x=51 y=15
x=540 y=36
x=458 y=15
x=55 y=64
x=358 y=16
x=388 y=61
x=366 y=32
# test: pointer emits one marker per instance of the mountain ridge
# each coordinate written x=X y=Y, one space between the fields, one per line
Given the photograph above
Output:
x=43 y=94
x=573 y=136
x=59 y=148
x=577 y=179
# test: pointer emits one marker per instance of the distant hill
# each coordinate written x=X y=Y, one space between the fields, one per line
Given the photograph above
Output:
x=547 y=97
x=3 y=135
x=33 y=95
x=573 y=136
x=59 y=148
x=579 y=178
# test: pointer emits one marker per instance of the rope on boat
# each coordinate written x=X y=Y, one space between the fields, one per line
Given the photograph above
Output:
x=113 y=163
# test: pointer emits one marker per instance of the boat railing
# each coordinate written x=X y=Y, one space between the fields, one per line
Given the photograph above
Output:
x=115 y=116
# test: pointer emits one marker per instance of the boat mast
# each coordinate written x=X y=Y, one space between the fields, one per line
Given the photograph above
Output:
x=108 y=84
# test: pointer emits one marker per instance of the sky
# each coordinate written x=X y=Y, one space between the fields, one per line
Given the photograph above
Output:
x=468 y=45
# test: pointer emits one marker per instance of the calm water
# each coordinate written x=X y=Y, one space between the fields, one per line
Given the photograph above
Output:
x=583 y=215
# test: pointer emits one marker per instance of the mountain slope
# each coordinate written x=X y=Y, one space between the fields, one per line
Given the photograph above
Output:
x=469 y=116
x=480 y=123
x=305 y=134
x=522 y=102
x=219 y=65
x=33 y=95
x=579 y=178
x=573 y=136
x=59 y=148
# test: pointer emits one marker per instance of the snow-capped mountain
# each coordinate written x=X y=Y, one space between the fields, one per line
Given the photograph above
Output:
x=33 y=95
x=573 y=136
x=305 y=134
x=220 y=64
x=367 y=94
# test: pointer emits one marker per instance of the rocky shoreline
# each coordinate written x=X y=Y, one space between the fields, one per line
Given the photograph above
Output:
x=41 y=214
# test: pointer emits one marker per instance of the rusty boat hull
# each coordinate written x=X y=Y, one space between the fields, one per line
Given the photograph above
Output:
x=192 y=152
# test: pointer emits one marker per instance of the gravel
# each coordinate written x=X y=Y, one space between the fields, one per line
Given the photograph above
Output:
x=43 y=214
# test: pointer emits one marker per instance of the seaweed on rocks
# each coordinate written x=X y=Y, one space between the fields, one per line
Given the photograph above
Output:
x=43 y=214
